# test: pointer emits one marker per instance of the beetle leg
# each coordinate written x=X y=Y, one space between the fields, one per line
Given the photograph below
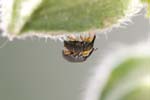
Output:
x=71 y=38
x=86 y=39
x=82 y=38
x=89 y=38
x=66 y=51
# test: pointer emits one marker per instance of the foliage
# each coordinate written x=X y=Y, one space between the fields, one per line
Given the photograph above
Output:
x=64 y=16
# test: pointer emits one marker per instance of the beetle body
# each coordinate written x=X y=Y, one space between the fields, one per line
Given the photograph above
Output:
x=78 y=50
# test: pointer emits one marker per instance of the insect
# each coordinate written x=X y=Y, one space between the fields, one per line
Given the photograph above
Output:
x=78 y=50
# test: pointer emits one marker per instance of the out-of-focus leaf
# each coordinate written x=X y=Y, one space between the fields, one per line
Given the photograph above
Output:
x=148 y=7
x=127 y=81
x=138 y=94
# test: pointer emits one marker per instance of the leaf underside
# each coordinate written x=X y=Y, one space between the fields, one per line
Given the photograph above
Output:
x=68 y=15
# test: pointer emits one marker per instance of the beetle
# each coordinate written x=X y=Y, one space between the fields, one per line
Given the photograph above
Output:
x=78 y=50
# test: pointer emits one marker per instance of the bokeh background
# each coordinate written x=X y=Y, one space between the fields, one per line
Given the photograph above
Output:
x=34 y=69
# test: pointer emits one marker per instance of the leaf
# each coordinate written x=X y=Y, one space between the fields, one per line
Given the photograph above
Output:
x=127 y=81
x=148 y=7
x=21 y=13
x=64 y=16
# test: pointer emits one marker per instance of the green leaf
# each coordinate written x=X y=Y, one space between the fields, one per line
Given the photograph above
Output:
x=128 y=80
x=20 y=14
x=78 y=15
x=65 y=16
x=148 y=7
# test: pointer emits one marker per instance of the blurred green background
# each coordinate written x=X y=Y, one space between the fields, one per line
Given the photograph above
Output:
x=33 y=69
